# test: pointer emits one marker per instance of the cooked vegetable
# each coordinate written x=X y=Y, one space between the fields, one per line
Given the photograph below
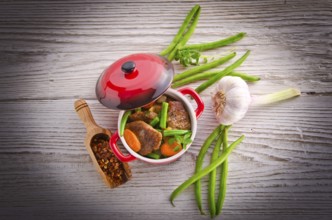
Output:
x=166 y=120
x=182 y=29
x=132 y=140
x=154 y=122
x=212 y=179
x=169 y=149
x=197 y=176
x=163 y=118
x=231 y=99
x=204 y=67
x=223 y=174
x=214 y=44
x=199 y=163
x=175 y=132
x=217 y=77
x=123 y=122
x=149 y=137
x=153 y=156
x=184 y=140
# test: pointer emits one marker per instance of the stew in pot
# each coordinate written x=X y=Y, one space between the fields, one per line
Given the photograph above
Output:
x=158 y=130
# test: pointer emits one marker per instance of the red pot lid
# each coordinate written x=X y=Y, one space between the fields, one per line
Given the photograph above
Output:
x=134 y=81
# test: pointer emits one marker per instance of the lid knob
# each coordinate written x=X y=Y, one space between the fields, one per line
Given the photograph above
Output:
x=128 y=67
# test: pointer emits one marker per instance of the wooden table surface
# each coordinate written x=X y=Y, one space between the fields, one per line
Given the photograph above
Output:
x=52 y=52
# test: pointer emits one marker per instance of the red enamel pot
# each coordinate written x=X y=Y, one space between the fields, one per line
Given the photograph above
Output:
x=135 y=81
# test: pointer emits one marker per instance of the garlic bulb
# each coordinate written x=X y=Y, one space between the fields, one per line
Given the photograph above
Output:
x=231 y=100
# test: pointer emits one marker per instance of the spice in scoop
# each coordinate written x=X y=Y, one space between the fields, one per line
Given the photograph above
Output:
x=116 y=172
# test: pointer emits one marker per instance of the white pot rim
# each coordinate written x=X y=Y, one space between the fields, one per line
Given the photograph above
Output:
x=192 y=115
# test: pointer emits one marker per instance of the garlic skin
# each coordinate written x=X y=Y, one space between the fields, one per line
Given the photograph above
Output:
x=231 y=100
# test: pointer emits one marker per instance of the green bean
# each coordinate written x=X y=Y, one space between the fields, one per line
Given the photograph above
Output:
x=153 y=156
x=207 y=75
x=154 y=122
x=212 y=180
x=203 y=67
x=193 y=78
x=205 y=171
x=124 y=121
x=224 y=72
x=199 y=164
x=186 y=36
x=215 y=44
x=245 y=76
x=175 y=132
x=182 y=29
x=163 y=117
x=223 y=174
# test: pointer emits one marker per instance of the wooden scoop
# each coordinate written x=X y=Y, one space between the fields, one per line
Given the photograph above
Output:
x=113 y=171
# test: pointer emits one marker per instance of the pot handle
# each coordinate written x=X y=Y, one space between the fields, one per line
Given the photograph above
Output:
x=200 y=104
x=123 y=158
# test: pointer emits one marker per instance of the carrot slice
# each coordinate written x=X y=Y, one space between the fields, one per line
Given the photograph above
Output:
x=168 y=149
x=132 y=140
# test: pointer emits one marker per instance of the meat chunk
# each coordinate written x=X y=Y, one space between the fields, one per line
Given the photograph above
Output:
x=146 y=116
x=149 y=138
x=178 y=117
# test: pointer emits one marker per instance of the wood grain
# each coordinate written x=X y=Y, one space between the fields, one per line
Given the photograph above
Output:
x=52 y=53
